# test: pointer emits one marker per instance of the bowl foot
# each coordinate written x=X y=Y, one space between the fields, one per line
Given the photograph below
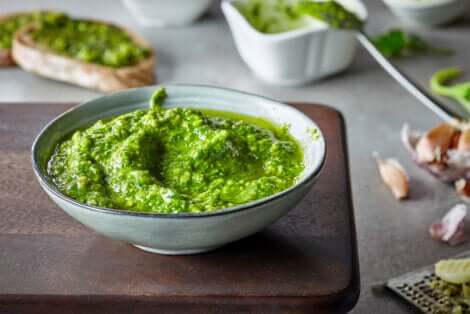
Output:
x=175 y=252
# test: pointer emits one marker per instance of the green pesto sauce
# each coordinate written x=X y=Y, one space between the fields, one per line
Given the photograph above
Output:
x=277 y=16
x=271 y=16
x=176 y=160
x=89 y=41
x=331 y=12
x=11 y=24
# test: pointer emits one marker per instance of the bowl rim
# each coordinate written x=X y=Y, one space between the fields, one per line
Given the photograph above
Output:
x=51 y=188
x=418 y=5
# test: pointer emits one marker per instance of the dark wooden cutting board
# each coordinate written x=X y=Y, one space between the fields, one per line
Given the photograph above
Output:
x=49 y=263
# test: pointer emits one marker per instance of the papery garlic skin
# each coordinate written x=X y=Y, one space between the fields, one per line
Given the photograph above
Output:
x=462 y=187
x=454 y=165
x=433 y=145
x=464 y=141
x=450 y=228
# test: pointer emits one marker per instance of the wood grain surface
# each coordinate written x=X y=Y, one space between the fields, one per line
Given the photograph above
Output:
x=49 y=263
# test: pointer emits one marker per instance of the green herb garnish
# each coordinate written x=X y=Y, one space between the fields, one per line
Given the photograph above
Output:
x=396 y=43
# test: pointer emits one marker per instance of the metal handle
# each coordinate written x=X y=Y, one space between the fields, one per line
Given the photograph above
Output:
x=424 y=97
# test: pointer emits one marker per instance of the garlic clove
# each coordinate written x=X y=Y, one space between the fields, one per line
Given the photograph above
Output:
x=450 y=228
x=394 y=176
x=433 y=145
x=463 y=143
x=462 y=187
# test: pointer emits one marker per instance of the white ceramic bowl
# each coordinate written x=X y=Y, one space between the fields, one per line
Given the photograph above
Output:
x=182 y=233
x=295 y=57
x=427 y=13
x=159 y=13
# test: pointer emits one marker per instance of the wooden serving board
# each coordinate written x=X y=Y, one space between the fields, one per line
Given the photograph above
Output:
x=49 y=263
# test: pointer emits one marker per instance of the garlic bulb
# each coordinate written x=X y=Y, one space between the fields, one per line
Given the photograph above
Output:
x=444 y=151
x=433 y=145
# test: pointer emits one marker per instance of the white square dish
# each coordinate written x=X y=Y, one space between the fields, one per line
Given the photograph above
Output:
x=295 y=57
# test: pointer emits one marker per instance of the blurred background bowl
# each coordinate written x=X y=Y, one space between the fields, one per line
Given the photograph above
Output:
x=427 y=13
x=160 y=13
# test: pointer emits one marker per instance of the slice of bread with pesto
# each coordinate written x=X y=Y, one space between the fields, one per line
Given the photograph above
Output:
x=5 y=58
x=87 y=53
x=9 y=24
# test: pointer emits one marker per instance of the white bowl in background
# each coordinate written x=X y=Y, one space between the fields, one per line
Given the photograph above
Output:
x=427 y=13
x=182 y=233
x=294 y=57
x=159 y=13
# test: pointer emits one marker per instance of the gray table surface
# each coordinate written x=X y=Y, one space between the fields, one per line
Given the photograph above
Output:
x=392 y=235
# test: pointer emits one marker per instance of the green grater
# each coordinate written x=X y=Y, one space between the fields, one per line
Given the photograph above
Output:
x=414 y=288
